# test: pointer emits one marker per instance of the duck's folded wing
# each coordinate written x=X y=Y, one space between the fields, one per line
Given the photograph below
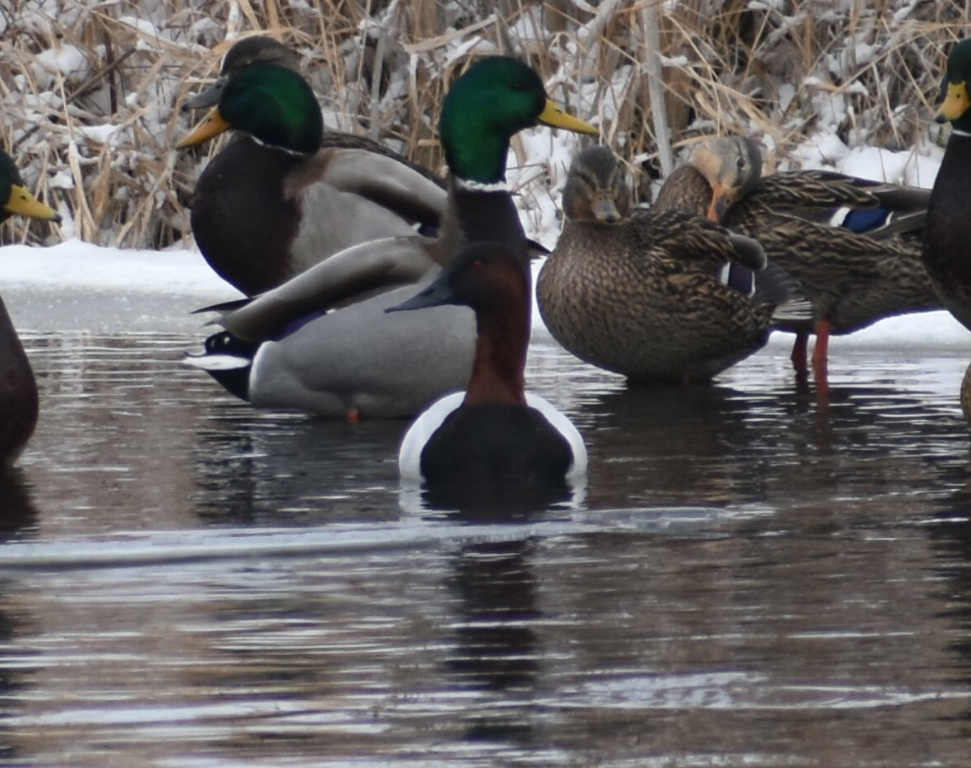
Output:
x=362 y=270
x=387 y=182
x=816 y=193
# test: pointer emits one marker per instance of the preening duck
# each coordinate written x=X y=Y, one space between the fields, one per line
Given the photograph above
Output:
x=947 y=234
x=854 y=275
x=288 y=195
x=648 y=295
x=18 y=388
x=356 y=360
x=494 y=432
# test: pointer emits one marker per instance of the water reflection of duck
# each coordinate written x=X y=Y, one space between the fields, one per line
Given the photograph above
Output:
x=18 y=389
x=669 y=444
x=495 y=436
x=357 y=361
x=17 y=510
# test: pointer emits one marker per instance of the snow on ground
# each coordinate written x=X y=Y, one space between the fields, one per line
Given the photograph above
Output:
x=76 y=286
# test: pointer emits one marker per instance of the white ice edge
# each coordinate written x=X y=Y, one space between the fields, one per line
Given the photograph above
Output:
x=86 y=272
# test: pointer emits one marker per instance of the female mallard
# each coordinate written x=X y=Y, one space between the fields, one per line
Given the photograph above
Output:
x=357 y=360
x=18 y=389
x=287 y=195
x=647 y=295
x=947 y=232
x=853 y=278
x=494 y=433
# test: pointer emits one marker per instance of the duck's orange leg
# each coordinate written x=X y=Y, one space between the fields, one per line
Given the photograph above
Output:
x=821 y=357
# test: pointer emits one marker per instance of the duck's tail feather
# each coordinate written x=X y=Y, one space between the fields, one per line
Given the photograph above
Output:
x=794 y=312
x=776 y=287
x=224 y=306
x=228 y=360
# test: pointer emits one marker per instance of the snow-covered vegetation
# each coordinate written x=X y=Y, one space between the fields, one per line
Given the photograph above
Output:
x=91 y=90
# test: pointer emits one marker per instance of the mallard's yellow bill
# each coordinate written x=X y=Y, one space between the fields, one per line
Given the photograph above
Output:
x=555 y=117
x=956 y=103
x=212 y=125
x=22 y=203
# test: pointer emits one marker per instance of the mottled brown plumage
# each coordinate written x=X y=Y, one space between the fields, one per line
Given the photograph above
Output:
x=645 y=296
x=852 y=279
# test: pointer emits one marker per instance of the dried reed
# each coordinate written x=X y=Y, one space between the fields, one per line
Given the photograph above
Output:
x=91 y=91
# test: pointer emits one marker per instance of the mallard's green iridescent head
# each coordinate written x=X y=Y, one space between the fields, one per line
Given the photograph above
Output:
x=494 y=99
x=956 y=103
x=271 y=103
x=258 y=49
x=14 y=197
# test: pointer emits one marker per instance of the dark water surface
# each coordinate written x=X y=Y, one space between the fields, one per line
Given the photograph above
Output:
x=747 y=579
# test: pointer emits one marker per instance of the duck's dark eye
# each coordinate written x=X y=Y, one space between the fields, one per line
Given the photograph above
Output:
x=740 y=163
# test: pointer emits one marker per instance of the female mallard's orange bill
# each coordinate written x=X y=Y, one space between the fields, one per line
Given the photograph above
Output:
x=212 y=125
x=22 y=203
x=555 y=117
x=722 y=198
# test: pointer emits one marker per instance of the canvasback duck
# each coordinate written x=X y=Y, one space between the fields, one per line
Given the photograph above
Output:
x=495 y=431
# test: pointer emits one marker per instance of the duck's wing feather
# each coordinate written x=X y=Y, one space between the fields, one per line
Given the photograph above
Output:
x=383 y=180
x=352 y=141
x=353 y=273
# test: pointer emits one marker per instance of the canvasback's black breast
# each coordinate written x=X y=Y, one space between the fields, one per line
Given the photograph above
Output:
x=496 y=443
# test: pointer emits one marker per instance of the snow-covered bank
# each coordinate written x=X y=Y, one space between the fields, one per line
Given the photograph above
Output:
x=78 y=286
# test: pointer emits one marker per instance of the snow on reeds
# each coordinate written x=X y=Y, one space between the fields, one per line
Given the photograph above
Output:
x=90 y=91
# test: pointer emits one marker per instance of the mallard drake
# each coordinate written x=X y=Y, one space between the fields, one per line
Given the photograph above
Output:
x=853 y=278
x=357 y=360
x=256 y=49
x=646 y=294
x=495 y=432
x=287 y=196
x=18 y=389
x=948 y=229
